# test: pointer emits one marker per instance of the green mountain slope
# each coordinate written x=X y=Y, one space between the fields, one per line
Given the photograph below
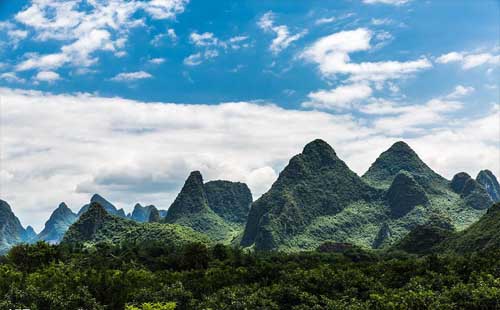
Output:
x=11 y=230
x=230 y=200
x=435 y=238
x=490 y=183
x=315 y=186
x=317 y=198
x=58 y=224
x=97 y=225
x=192 y=208
x=473 y=193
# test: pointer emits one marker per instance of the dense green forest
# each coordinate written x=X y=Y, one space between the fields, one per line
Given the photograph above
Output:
x=197 y=276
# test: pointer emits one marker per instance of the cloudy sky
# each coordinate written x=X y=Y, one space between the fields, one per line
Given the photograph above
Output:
x=125 y=98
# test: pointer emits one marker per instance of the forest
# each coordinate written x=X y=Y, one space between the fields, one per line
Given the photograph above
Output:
x=197 y=276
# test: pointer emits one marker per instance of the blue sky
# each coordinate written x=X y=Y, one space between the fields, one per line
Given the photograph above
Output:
x=85 y=85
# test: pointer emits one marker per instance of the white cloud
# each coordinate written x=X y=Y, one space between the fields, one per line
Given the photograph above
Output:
x=283 y=36
x=325 y=20
x=392 y=2
x=193 y=59
x=47 y=76
x=381 y=21
x=11 y=77
x=460 y=91
x=469 y=60
x=338 y=98
x=131 y=151
x=331 y=53
x=85 y=27
x=157 y=40
x=157 y=61
x=131 y=76
x=203 y=39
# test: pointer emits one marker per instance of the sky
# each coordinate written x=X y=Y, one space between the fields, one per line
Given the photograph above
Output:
x=125 y=98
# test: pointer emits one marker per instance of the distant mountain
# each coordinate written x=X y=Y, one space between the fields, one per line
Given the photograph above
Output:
x=58 y=224
x=490 y=183
x=317 y=199
x=108 y=206
x=315 y=184
x=11 y=230
x=30 y=235
x=474 y=194
x=215 y=209
x=141 y=214
x=431 y=238
x=97 y=225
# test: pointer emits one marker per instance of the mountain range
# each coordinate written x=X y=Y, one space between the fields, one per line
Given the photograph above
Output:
x=315 y=199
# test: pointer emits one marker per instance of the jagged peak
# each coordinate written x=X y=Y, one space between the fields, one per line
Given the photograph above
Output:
x=96 y=210
x=319 y=147
x=459 y=180
x=486 y=172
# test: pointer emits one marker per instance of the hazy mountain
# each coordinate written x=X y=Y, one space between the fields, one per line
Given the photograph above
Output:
x=142 y=214
x=58 y=224
x=108 y=206
x=215 y=208
x=490 y=183
x=97 y=225
x=473 y=193
x=11 y=230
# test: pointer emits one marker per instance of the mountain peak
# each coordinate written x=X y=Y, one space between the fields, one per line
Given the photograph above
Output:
x=319 y=147
x=487 y=179
x=400 y=156
x=196 y=177
x=191 y=199
x=405 y=194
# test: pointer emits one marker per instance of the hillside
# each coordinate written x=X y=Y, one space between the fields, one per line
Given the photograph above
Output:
x=97 y=225
x=108 y=206
x=317 y=198
x=490 y=183
x=142 y=214
x=213 y=209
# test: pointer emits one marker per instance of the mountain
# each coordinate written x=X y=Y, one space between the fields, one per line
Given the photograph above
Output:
x=487 y=179
x=400 y=157
x=58 y=223
x=30 y=235
x=215 y=209
x=314 y=185
x=142 y=214
x=97 y=225
x=473 y=193
x=108 y=206
x=11 y=230
x=230 y=200
x=432 y=238
x=318 y=199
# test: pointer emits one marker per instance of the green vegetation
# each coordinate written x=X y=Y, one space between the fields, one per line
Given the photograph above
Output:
x=316 y=183
x=214 y=209
x=97 y=226
x=194 y=276
x=317 y=198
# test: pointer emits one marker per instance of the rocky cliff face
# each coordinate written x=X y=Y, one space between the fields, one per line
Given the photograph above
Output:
x=487 y=179
x=11 y=230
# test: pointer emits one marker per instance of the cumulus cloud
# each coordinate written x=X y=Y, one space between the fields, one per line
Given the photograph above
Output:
x=85 y=27
x=131 y=151
x=331 y=53
x=338 y=98
x=47 y=76
x=11 y=77
x=157 y=61
x=460 y=91
x=469 y=60
x=131 y=76
x=283 y=36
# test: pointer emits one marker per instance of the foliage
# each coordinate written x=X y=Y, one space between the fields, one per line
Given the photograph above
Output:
x=216 y=209
x=194 y=276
